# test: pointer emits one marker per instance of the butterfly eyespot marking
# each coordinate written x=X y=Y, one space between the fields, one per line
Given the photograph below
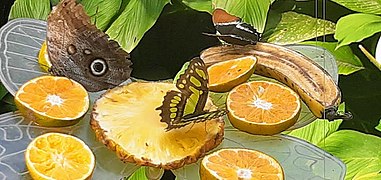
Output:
x=87 y=51
x=71 y=49
x=98 y=67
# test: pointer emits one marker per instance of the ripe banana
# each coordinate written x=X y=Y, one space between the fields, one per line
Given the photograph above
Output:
x=313 y=84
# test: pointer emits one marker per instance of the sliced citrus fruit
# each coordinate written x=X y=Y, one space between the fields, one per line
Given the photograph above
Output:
x=52 y=101
x=125 y=119
x=59 y=156
x=240 y=164
x=261 y=107
x=225 y=75
x=43 y=58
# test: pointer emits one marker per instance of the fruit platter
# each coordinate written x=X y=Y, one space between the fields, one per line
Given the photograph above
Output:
x=231 y=106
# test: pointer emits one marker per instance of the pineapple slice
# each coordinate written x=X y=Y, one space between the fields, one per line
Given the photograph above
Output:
x=125 y=120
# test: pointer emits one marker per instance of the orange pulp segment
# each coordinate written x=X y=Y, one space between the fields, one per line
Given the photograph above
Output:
x=50 y=99
x=240 y=164
x=262 y=107
x=225 y=75
x=59 y=156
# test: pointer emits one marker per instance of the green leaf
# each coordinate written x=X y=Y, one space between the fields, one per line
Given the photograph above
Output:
x=8 y=99
x=3 y=91
x=182 y=70
x=378 y=127
x=252 y=12
x=139 y=175
x=199 y=5
x=294 y=28
x=7 y=108
x=317 y=131
x=7 y=104
x=101 y=12
x=55 y=2
x=356 y=27
x=218 y=99
x=30 y=9
x=364 y=6
x=346 y=60
x=360 y=152
x=136 y=19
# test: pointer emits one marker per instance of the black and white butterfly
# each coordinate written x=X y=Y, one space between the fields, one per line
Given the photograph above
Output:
x=232 y=30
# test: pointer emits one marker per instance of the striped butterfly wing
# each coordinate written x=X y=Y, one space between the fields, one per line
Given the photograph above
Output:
x=193 y=84
x=182 y=108
x=232 y=30
x=204 y=116
x=172 y=109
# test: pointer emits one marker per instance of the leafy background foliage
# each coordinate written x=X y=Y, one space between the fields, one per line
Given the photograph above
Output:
x=162 y=34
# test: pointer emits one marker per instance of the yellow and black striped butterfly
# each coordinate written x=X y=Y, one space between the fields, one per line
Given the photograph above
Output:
x=183 y=107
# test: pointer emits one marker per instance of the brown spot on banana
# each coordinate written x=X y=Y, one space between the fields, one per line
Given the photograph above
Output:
x=313 y=83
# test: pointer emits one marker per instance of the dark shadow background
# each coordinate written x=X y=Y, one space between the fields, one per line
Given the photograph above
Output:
x=5 y=6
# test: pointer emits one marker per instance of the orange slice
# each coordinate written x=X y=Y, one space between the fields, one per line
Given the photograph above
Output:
x=52 y=101
x=225 y=75
x=43 y=58
x=125 y=119
x=240 y=164
x=59 y=156
x=262 y=107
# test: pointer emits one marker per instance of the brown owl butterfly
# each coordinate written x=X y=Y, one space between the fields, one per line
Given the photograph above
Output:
x=79 y=50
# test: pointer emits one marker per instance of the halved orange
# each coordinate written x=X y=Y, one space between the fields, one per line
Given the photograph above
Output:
x=59 y=156
x=52 y=101
x=262 y=107
x=240 y=164
x=125 y=119
x=43 y=58
x=225 y=75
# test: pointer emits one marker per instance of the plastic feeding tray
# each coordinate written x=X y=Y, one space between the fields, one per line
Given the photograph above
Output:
x=21 y=40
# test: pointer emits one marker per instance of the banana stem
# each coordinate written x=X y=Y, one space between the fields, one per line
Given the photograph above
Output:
x=370 y=57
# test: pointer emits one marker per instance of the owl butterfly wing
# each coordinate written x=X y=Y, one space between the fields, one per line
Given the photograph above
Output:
x=172 y=110
x=80 y=51
x=232 y=30
x=193 y=84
